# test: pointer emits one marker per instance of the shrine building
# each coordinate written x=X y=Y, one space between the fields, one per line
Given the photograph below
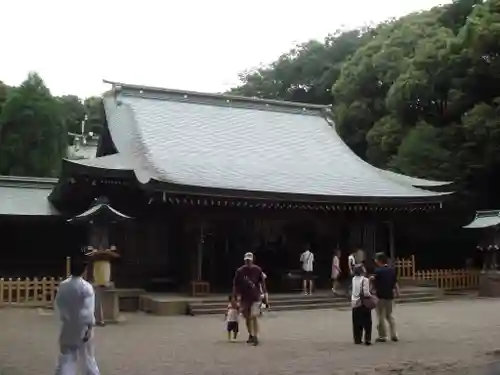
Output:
x=204 y=178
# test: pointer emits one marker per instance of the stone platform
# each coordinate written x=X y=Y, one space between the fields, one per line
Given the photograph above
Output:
x=172 y=304
x=110 y=302
x=489 y=284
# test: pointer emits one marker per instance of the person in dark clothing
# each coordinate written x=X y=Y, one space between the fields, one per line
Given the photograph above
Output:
x=249 y=284
x=361 y=315
x=386 y=286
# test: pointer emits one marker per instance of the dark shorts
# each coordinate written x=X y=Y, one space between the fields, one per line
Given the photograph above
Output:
x=307 y=275
x=232 y=327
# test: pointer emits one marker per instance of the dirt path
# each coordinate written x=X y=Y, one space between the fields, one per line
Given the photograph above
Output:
x=452 y=337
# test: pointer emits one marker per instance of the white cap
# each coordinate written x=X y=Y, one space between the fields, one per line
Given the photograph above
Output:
x=248 y=256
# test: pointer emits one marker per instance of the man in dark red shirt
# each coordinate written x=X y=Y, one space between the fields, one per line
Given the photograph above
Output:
x=249 y=284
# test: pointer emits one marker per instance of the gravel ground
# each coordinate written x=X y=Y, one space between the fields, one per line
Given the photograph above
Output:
x=452 y=337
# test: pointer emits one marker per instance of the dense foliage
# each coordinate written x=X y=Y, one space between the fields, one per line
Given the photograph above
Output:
x=34 y=127
x=419 y=95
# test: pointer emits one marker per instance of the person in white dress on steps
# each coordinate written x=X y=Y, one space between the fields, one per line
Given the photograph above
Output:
x=335 y=270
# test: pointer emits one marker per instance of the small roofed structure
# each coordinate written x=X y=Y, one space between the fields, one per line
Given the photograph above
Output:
x=489 y=222
x=484 y=219
x=99 y=217
x=99 y=212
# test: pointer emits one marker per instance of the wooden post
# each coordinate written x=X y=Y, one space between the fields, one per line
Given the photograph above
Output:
x=36 y=285
x=27 y=289
x=45 y=291
x=18 y=288
x=199 y=256
x=2 y=287
x=68 y=266
x=392 y=247
x=52 y=289
x=413 y=266
x=9 y=291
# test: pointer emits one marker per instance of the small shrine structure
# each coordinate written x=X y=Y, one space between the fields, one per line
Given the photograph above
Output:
x=488 y=221
x=99 y=219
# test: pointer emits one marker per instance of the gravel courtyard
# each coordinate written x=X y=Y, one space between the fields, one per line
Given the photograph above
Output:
x=452 y=337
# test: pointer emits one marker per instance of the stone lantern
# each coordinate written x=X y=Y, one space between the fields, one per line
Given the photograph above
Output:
x=98 y=219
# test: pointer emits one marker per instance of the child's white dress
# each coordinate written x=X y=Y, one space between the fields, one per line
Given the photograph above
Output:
x=232 y=318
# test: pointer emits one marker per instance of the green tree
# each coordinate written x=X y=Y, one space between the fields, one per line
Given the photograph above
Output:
x=4 y=89
x=73 y=112
x=454 y=15
x=96 y=117
x=368 y=76
x=419 y=94
x=422 y=154
x=480 y=150
x=384 y=139
x=307 y=72
x=32 y=132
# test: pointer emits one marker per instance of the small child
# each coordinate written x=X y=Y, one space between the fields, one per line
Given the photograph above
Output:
x=232 y=317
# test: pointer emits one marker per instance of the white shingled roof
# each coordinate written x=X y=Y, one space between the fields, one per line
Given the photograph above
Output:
x=210 y=141
x=26 y=196
x=420 y=182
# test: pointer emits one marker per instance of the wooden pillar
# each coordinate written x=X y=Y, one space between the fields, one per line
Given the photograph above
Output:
x=392 y=246
x=355 y=236
x=198 y=285
x=369 y=240
x=68 y=266
x=199 y=255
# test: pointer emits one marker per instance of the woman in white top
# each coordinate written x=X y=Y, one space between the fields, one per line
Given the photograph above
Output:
x=335 y=270
x=361 y=315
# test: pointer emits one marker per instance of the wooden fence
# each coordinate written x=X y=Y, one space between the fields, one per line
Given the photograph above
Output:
x=28 y=292
x=405 y=268
x=447 y=279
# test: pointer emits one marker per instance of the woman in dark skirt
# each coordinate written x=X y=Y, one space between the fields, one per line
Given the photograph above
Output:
x=361 y=315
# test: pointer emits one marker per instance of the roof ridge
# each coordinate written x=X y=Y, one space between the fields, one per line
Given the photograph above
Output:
x=119 y=86
x=28 y=182
x=487 y=213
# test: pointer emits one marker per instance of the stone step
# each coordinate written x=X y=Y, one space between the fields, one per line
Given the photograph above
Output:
x=318 y=294
x=417 y=283
x=300 y=299
x=201 y=309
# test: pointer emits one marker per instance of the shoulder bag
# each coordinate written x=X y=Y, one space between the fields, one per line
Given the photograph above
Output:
x=370 y=302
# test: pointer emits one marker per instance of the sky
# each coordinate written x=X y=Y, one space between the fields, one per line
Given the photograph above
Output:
x=198 y=45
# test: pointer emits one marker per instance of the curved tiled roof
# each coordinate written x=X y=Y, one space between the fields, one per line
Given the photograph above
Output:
x=26 y=196
x=242 y=144
x=485 y=219
x=420 y=182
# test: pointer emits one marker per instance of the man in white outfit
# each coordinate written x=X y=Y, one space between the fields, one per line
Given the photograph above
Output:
x=75 y=304
x=307 y=260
